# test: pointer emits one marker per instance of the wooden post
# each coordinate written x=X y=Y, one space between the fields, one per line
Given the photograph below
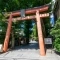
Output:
x=40 y=34
x=6 y=41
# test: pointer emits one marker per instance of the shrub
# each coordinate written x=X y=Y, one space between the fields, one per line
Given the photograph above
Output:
x=55 y=32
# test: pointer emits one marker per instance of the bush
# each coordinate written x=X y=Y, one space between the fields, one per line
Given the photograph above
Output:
x=55 y=32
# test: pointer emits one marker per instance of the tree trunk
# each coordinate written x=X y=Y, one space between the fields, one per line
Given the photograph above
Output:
x=13 y=40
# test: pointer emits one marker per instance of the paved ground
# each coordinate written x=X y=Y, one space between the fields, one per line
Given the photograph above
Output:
x=30 y=52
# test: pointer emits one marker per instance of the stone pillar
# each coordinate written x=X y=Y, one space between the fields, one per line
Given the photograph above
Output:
x=40 y=34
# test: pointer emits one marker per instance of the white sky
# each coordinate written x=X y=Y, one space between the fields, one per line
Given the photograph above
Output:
x=53 y=0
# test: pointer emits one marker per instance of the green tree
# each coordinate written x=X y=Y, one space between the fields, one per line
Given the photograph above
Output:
x=34 y=32
x=27 y=31
x=55 y=32
x=12 y=5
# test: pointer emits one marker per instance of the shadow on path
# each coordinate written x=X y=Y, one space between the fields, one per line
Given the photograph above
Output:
x=30 y=46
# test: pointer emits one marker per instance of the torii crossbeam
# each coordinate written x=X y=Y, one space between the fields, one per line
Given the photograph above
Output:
x=37 y=16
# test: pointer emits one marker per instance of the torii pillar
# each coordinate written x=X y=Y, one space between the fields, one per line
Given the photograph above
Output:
x=40 y=34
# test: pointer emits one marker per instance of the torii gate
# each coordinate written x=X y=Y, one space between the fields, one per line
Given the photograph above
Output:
x=37 y=16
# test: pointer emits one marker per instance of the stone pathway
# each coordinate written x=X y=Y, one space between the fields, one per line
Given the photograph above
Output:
x=30 y=52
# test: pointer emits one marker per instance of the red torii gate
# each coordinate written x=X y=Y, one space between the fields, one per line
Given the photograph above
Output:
x=36 y=11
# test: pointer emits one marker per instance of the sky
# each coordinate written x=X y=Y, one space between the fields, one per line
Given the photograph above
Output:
x=53 y=0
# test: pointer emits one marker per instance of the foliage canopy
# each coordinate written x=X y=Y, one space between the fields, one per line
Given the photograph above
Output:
x=55 y=32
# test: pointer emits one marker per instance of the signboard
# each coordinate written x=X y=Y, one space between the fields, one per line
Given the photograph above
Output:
x=48 y=40
x=22 y=12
